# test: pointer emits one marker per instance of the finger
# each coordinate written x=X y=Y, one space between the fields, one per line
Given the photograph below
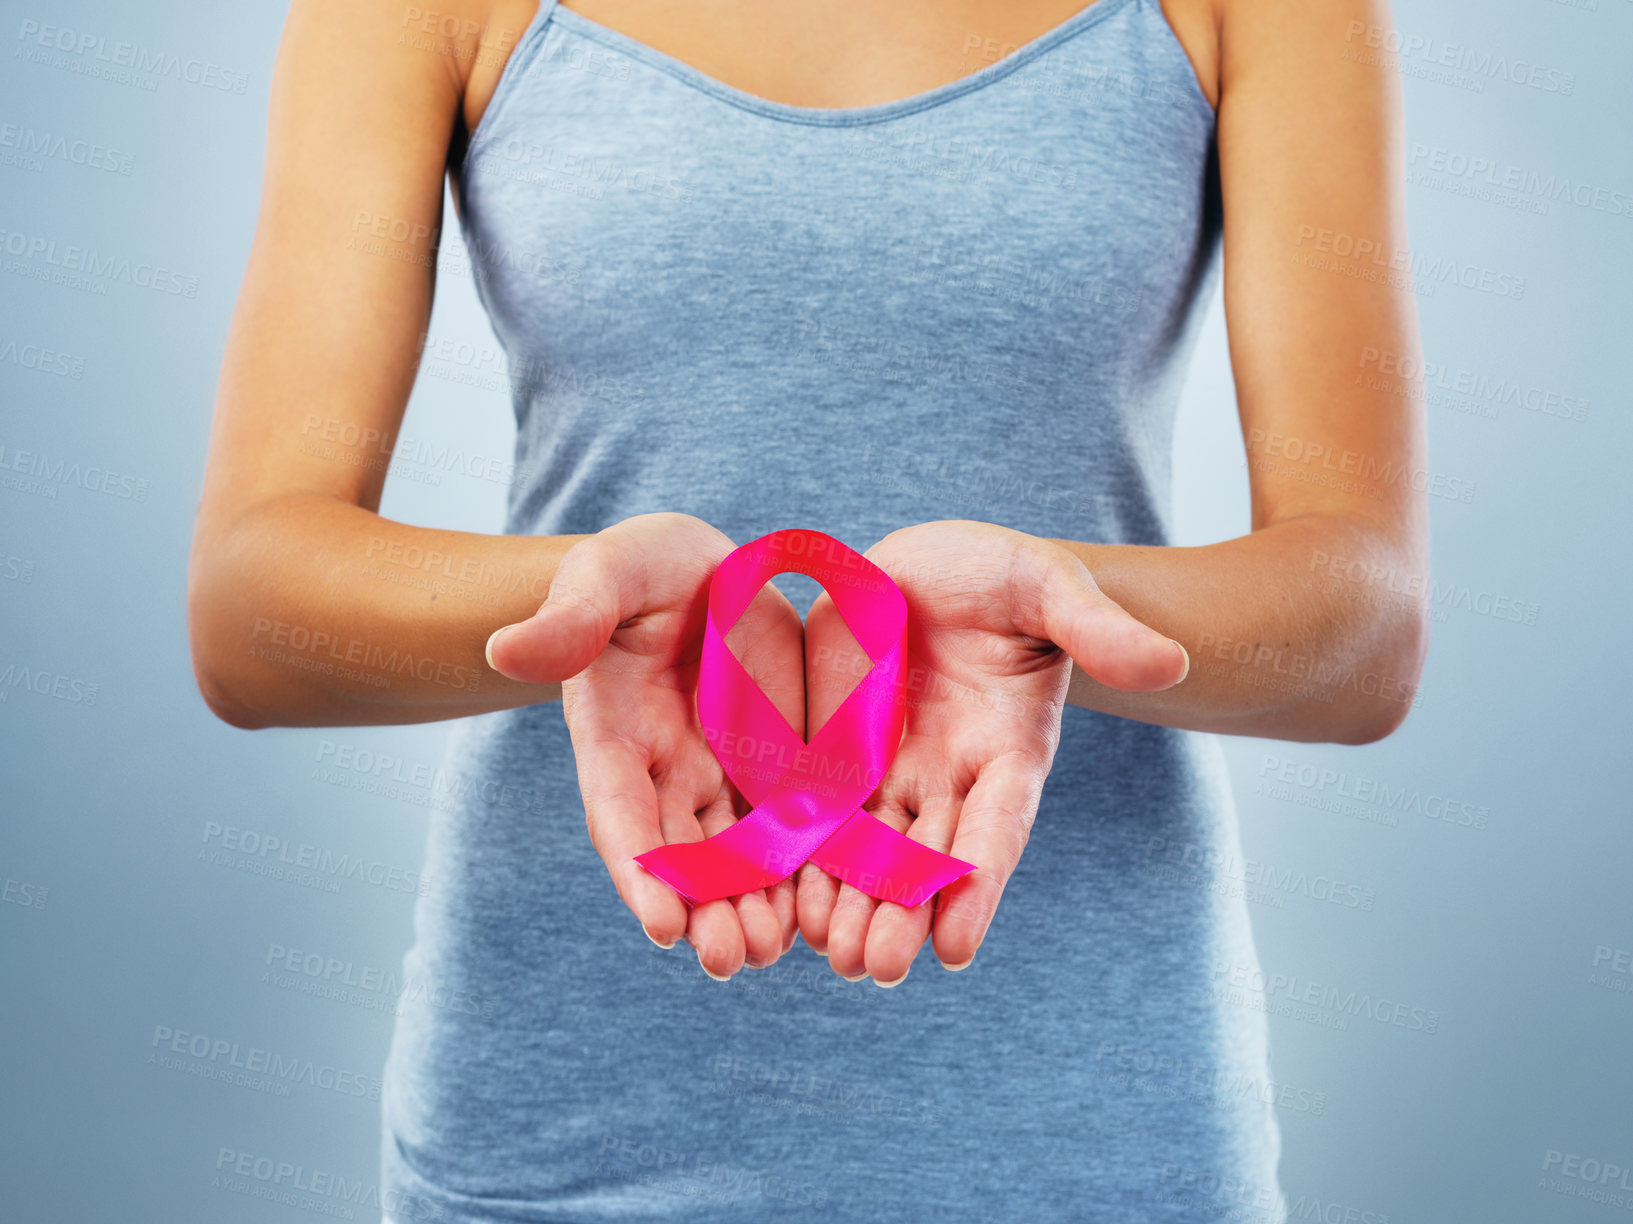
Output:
x=848 y=932
x=591 y=594
x=897 y=932
x=684 y=784
x=760 y=932
x=688 y=790
x=714 y=929
x=1100 y=635
x=648 y=563
x=769 y=641
x=853 y=909
x=993 y=825
x=784 y=901
x=768 y=931
x=716 y=933
x=621 y=811
x=815 y=893
x=834 y=663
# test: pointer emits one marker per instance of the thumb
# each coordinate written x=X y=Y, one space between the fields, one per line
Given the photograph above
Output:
x=571 y=628
x=1102 y=638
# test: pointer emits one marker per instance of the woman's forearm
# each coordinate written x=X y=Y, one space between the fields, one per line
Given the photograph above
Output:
x=310 y=611
x=1313 y=628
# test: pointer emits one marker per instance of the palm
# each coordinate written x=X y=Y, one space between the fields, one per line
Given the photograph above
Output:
x=637 y=596
x=986 y=687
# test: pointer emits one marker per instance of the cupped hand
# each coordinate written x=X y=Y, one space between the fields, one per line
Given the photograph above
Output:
x=996 y=619
x=622 y=631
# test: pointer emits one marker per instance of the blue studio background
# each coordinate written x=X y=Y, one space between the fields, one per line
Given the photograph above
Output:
x=1487 y=844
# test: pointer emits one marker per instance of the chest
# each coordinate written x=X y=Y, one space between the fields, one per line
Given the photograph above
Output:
x=815 y=53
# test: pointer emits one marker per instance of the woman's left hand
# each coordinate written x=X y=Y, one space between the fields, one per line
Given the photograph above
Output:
x=996 y=619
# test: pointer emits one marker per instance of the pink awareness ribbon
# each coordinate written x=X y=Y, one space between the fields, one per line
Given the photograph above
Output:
x=808 y=805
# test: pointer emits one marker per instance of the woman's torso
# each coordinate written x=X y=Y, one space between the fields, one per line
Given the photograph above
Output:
x=974 y=301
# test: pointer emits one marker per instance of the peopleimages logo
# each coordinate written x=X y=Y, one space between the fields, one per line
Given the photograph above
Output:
x=40 y=41
x=1246 y=984
x=1587 y=1169
x=1480 y=65
x=1490 y=172
x=323 y=649
x=1214 y=862
x=218 y=1058
x=249 y=849
x=816 y=1093
x=1245 y=1202
x=78 y=262
x=1156 y=1071
x=691 y=1174
x=1344 y=785
x=366 y=985
x=317 y=1190
x=44 y=360
x=1385 y=369
x=38 y=469
x=71 y=149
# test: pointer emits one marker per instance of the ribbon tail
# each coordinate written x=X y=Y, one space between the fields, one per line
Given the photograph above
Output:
x=738 y=860
x=889 y=866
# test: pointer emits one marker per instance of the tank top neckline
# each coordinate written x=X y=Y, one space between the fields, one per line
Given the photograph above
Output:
x=551 y=11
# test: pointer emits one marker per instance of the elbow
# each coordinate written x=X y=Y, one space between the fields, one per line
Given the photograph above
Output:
x=222 y=701
x=1389 y=684
x=218 y=684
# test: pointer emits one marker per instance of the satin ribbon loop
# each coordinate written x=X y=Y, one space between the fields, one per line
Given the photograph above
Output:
x=806 y=797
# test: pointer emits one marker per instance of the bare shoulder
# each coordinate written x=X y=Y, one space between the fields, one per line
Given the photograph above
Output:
x=483 y=34
x=1306 y=38
x=1197 y=26
x=462 y=45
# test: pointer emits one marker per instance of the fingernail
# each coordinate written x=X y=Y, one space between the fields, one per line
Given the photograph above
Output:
x=857 y=978
x=897 y=982
x=717 y=977
x=648 y=934
x=487 y=652
x=1186 y=655
x=956 y=968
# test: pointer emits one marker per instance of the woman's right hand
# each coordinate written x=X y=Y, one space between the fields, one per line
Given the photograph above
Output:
x=622 y=630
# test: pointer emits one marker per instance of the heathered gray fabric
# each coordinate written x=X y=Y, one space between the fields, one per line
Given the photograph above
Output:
x=975 y=303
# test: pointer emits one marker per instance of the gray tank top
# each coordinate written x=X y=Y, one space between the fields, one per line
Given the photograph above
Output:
x=977 y=302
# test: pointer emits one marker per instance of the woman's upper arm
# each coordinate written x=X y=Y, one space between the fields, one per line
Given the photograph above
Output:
x=1318 y=298
x=324 y=342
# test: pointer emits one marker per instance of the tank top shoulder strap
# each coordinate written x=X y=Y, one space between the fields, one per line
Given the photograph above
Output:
x=520 y=51
x=541 y=18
